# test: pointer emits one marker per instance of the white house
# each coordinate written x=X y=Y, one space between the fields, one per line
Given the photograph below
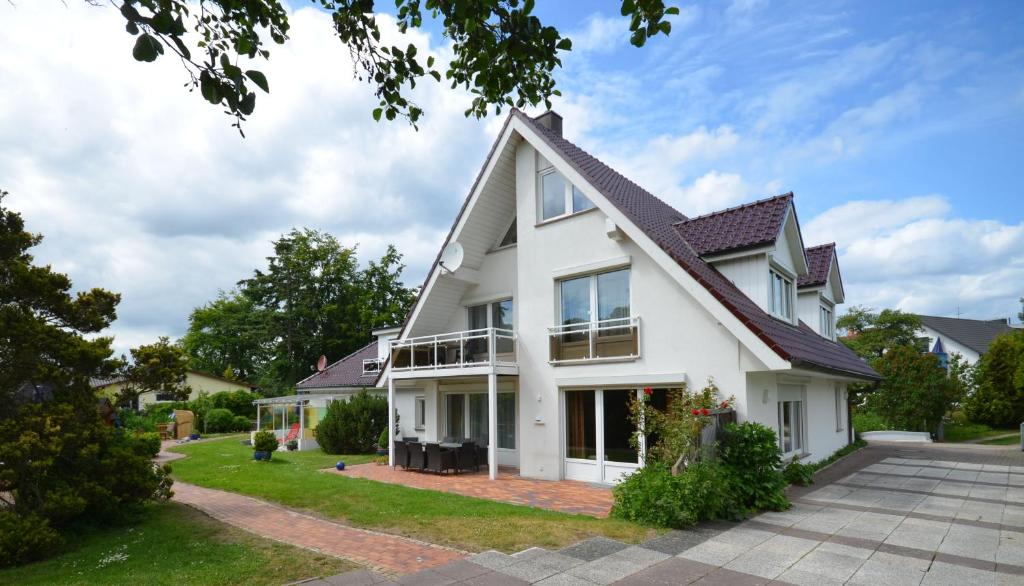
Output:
x=564 y=289
x=968 y=337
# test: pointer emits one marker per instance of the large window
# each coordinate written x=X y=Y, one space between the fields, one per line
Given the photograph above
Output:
x=558 y=197
x=600 y=297
x=580 y=425
x=500 y=315
x=781 y=295
x=466 y=417
x=825 y=322
x=594 y=320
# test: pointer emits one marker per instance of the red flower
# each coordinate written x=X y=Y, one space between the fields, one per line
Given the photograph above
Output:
x=695 y=412
x=648 y=391
x=725 y=404
x=705 y=411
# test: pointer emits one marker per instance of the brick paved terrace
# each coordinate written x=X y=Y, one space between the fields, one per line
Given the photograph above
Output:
x=566 y=496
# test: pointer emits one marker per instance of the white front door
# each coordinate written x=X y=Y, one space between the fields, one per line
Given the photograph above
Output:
x=597 y=435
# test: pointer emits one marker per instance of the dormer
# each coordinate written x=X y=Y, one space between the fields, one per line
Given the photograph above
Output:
x=821 y=290
x=757 y=246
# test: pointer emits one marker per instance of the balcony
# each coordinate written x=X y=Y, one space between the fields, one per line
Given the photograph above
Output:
x=372 y=365
x=468 y=352
x=607 y=340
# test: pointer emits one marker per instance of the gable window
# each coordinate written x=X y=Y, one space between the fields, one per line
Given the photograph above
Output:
x=826 y=326
x=510 y=236
x=780 y=300
x=558 y=197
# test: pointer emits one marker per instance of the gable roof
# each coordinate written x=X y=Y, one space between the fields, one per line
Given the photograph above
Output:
x=745 y=226
x=347 y=372
x=819 y=263
x=800 y=345
x=976 y=334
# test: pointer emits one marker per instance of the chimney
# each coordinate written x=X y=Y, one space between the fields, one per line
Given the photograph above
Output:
x=551 y=120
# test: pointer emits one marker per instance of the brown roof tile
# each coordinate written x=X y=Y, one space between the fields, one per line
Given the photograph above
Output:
x=819 y=263
x=746 y=226
x=347 y=372
x=800 y=345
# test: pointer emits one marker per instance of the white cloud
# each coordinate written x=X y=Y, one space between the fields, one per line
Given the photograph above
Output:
x=142 y=188
x=911 y=255
x=600 y=34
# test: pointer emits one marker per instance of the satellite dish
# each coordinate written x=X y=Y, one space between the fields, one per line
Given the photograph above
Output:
x=321 y=363
x=451 y=257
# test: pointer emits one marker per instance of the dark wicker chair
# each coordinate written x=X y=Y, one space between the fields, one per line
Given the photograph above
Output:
x=439 y=460
x=481 y=456
x=465 y=457
x=417 y=459
x=448 y=439
x=401 y=454
x=411 y=439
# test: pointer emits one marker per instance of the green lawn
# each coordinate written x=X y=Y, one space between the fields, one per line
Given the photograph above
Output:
x=294 y=479
x=1013 y=440
x=961 y=430
x=174 y=544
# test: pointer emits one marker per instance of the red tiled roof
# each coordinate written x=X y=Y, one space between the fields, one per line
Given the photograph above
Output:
x=799 y=345
x=746 y=226
x=819 y=263
x=347 y=372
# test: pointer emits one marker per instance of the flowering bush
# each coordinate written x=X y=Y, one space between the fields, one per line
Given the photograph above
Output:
x=674 y=432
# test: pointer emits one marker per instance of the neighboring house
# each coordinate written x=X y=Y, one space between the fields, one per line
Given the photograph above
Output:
x=199 y=381
x=563 y=290
x=968 y=337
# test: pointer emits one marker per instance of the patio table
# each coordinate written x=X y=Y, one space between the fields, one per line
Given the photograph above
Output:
x=450 y=446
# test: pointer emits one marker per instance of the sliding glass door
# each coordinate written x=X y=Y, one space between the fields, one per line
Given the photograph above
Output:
x=466 y=417
x=597 y=435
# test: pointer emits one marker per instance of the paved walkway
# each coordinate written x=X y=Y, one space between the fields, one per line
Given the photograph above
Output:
x=886 y=515
x=567 y=496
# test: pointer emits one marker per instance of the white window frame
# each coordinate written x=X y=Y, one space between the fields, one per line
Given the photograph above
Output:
x=568 y=209
x=793 y=394
x=490 y=311
x=827 y=321
x=466 y=414
x=420 y=413
x=593 y=293
x=504 y=232
x=788 y=294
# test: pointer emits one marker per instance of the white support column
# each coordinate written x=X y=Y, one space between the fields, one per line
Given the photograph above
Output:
x=391 y=422
x=302 y=424
x=492 y=424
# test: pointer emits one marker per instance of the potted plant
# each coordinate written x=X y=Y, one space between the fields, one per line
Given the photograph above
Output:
x=292 y=445
x=263 y=445
x=382 y=443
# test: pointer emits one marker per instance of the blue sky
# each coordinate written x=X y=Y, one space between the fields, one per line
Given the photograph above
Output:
x=898 y=125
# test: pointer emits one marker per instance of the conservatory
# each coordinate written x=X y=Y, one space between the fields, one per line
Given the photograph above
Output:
x=294 y=417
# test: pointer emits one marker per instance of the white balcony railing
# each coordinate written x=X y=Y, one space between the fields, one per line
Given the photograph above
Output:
x=609 y=339
x=372 y=365
x=483 y=347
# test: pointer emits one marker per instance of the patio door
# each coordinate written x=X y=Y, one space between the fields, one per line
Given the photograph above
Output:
x=597 y=434
x=466 y=417
x=792 y=427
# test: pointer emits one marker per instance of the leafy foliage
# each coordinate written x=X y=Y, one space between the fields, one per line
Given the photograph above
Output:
x=675 y=431
x=264 y=441
x=914 y=392
x=311 y=299
x=160 y=368
x=353 y=426
x=750 y=452
x=653 y=496
x=798 y=473
x=502 y=53
x=59 y=462
x=998 y=395
x=219 y=420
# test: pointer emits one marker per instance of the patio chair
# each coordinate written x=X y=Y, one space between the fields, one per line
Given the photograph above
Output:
x=410 y=439
x=439 y=460
x=449 y=439
x=465 y=457
x=416 y=457
x=481 y=456
x=401 y=454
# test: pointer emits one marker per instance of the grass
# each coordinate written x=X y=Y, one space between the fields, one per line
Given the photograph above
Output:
x=174 y=544
x=294 y=479
x=960 y=430
x=1013 y=440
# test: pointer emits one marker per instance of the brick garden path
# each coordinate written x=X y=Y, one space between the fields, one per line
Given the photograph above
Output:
x=566 y=496
x=388 y=554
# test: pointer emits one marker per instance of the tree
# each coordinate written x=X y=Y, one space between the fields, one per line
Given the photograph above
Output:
x=1020 y=315
x=353 y=426
x=311 y=299
x=59 y=462
x=161 y=368
x=998 y=397
x=915 y=391
x=228 y=335
x=871 y=334
x=502 y=53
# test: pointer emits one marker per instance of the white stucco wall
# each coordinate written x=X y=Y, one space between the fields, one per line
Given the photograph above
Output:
x=823 y=437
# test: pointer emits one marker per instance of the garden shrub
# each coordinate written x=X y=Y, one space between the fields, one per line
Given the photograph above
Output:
x=382 y=441
x=219 y=421
x=915 y=391
x=799 y=473
x=237 y=402
x=750 y=453
x=654 y=496
x=353 y=426
x=148 y=443
x=25 y=538
x=264 y=441
x=998 y=395
x=864 y=421
x=241 y=423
